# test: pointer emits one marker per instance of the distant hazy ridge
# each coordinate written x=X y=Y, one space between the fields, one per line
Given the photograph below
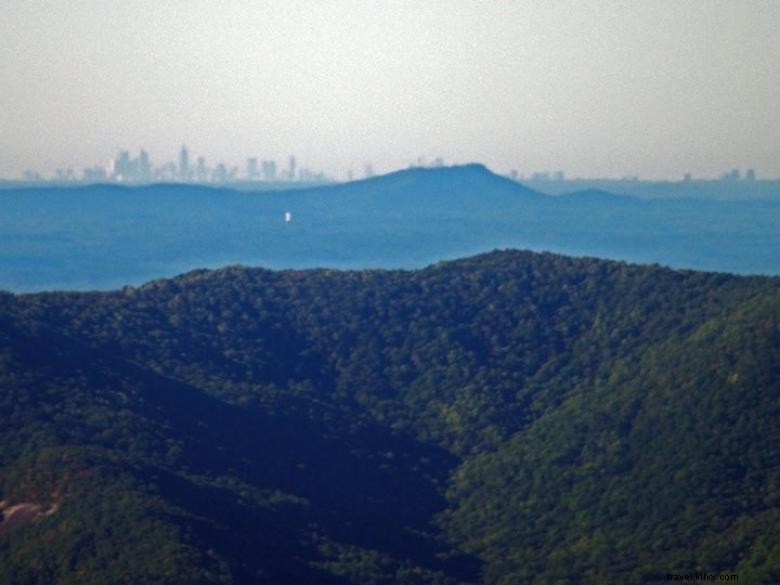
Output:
x=107 y=236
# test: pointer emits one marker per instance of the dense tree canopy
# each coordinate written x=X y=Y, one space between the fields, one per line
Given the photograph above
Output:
x=508 y=418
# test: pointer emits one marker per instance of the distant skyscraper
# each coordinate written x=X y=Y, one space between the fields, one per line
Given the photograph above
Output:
x=144 y=167
x=202 y=171
x=220 y=174
x=251 y=169
x=184 y=164
x=122 y=167
x=292 y=169
x=269 y=170
x=368 y=171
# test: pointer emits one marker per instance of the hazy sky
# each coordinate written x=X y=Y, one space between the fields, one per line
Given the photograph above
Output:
x=593 y=87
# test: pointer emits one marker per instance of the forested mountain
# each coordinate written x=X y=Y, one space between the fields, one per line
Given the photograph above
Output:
x=106 y=236
x=507 y=418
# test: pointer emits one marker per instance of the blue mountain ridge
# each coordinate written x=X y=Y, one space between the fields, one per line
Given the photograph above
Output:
x=105 y=236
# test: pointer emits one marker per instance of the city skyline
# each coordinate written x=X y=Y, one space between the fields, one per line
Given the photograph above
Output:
x=596 y=87
x=186 y=168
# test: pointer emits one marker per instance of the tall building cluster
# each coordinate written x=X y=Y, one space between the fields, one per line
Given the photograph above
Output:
x=126 y=168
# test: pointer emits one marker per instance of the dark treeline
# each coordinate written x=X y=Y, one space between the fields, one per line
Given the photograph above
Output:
x=508 y=418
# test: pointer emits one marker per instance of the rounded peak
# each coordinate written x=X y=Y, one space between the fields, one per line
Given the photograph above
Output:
x=472 y=182
x=470 y=168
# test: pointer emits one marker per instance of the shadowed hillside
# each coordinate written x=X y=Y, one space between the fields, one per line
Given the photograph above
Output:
x=507 y=418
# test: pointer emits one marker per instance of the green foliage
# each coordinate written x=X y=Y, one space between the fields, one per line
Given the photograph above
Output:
x=513 y=417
